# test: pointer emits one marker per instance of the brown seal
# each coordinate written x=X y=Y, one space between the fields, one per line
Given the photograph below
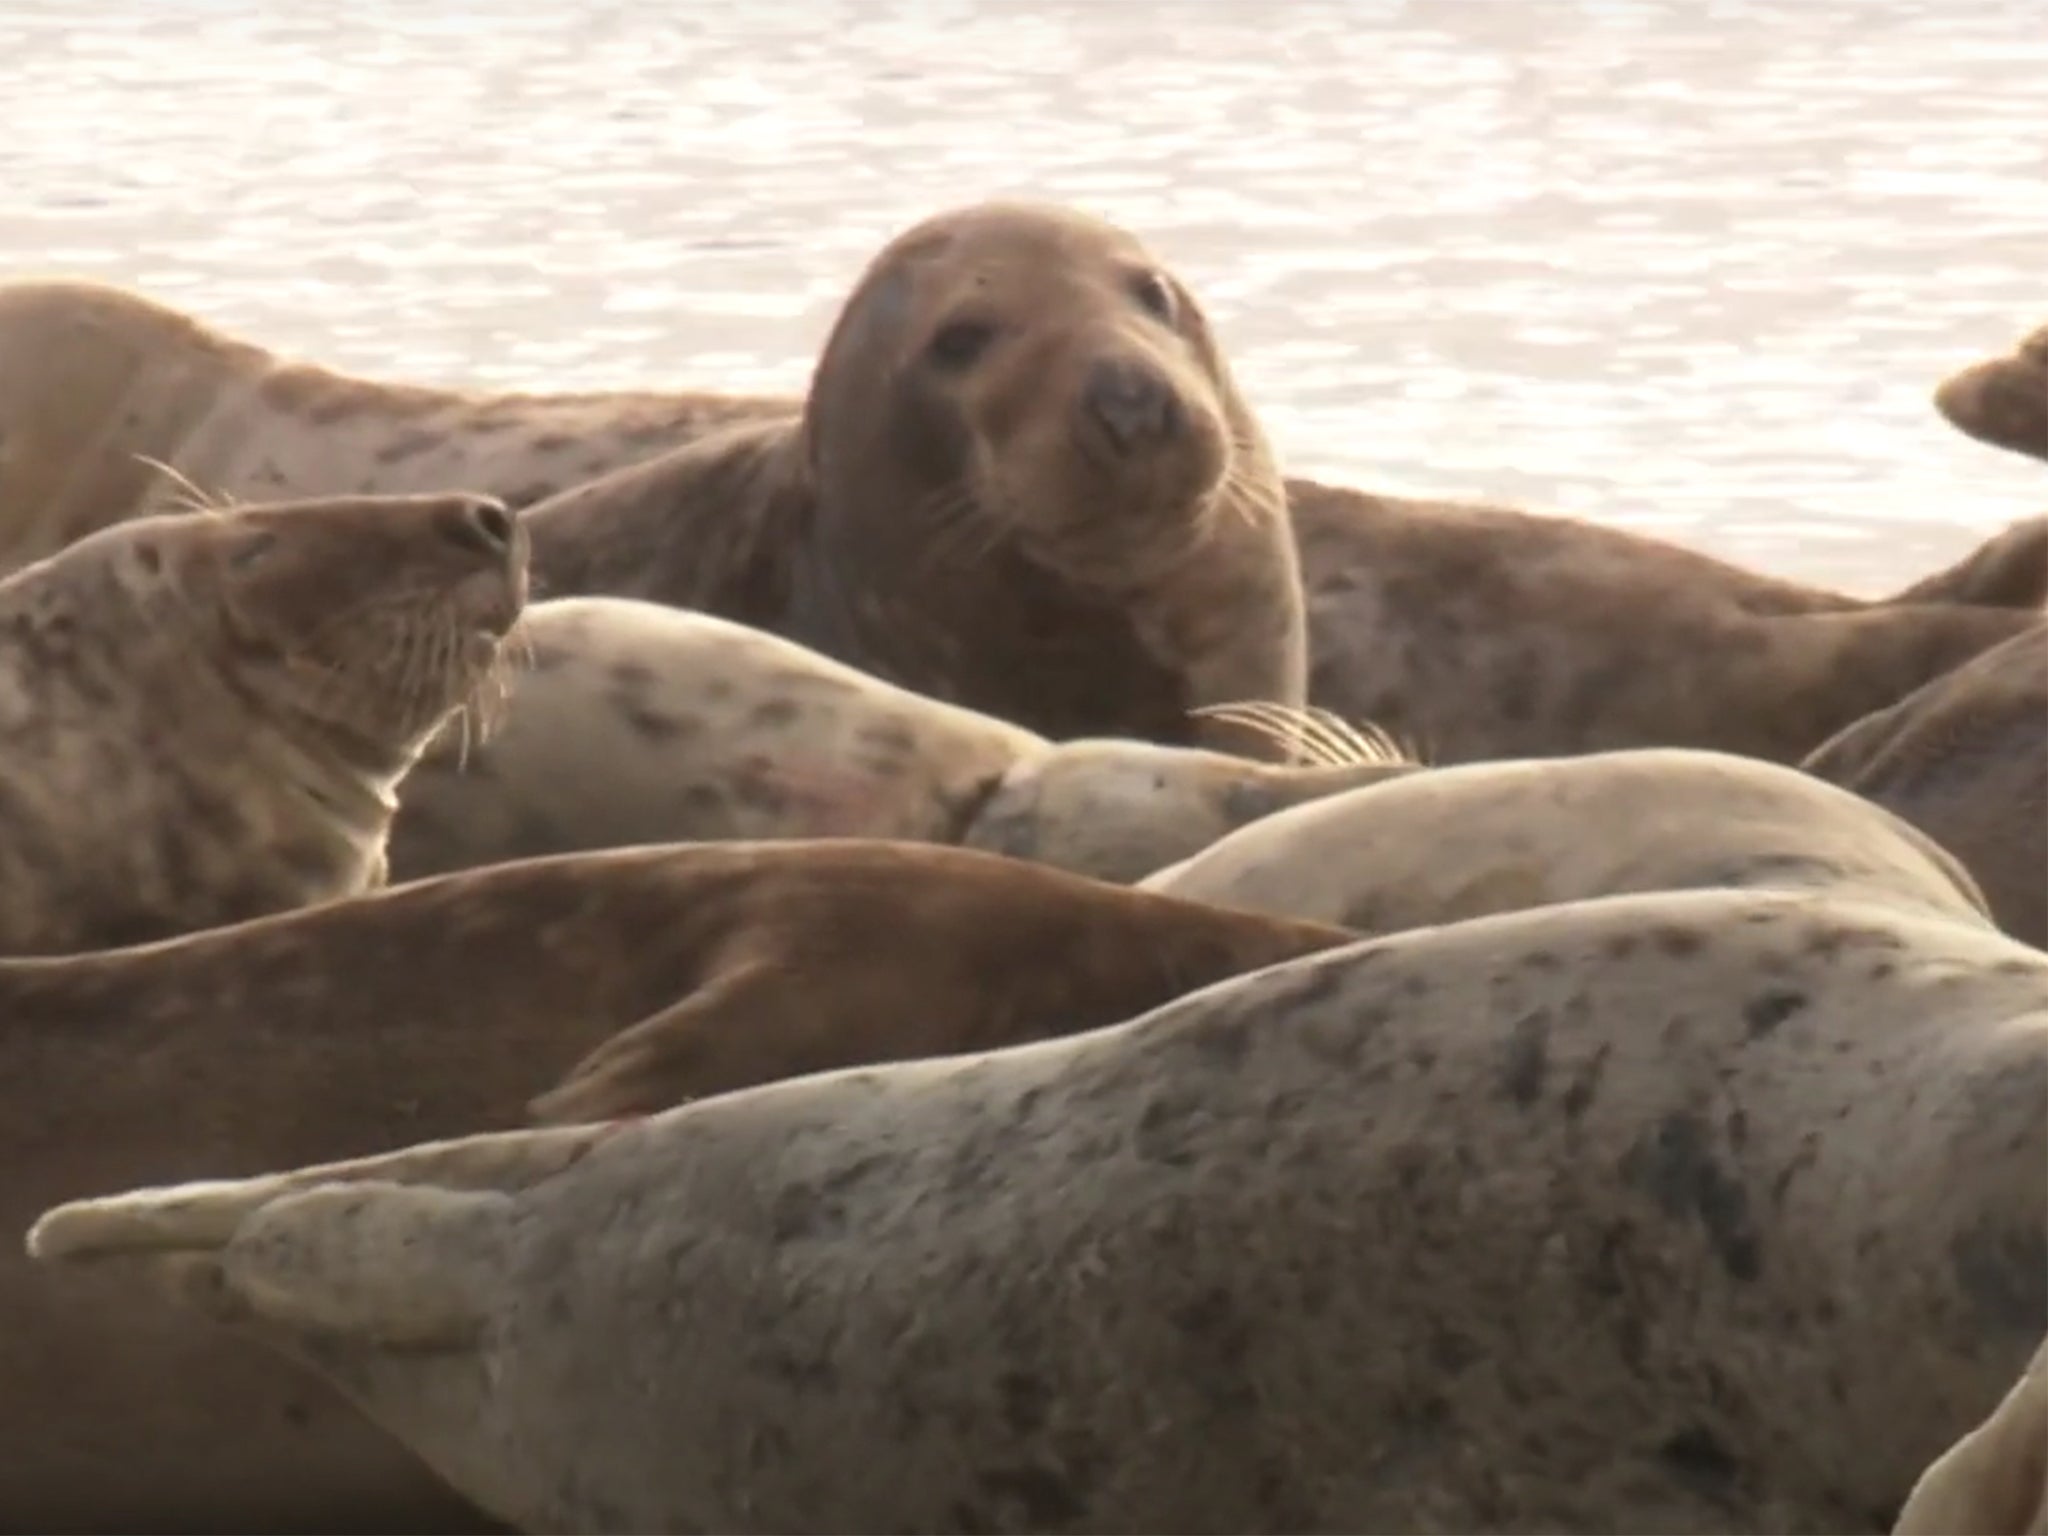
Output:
x=1965 y=759
x=1448 y=844
x=2002 y=401
x=439 y=1008
x=1994 y=1480
x=634 y=722
x=204 y=718
x=96 y=381
x=1472 y=632
x=1023 y=481
x=1699 y=1211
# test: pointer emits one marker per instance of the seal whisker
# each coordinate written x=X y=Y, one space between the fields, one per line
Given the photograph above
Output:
x=193 y=498
x=1322 y=736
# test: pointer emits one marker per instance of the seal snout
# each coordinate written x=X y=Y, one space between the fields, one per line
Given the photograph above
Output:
x=1133 y=404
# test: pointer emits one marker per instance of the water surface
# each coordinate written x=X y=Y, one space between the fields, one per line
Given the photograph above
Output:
x=1684 y=265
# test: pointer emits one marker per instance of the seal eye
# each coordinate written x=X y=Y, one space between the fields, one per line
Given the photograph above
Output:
x=958 y=343
x=1155 y=294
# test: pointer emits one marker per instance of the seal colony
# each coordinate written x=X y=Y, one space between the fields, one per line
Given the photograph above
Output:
x=203 y=717
x=1022 y=480
x=1663 y=1197
x=633 y=722
x=858 y=522
x=1000 y=1197
x=440 y=1008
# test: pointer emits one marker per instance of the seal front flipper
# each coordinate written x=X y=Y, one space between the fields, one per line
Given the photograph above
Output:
x=390 y=1265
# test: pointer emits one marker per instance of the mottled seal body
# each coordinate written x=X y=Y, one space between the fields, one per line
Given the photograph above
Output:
x=442 y=1007
x=203 y=718
x=1453 y=843
x=634 y=722
x=1965 y=759
x=96 y=381
x=1703 y=1211
x=2002 y=401
x=1478 y=633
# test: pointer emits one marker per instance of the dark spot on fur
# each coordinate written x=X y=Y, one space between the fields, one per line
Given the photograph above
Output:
x=1701 y=1462
x=1767 y=1010
x=1620 y=946
x=652 y=723
x=297 y=1414
x=408 y=445
x=1678 y=1169
x=1160 y=1136
x=1528 y=1059
x=1027 y=1402
x=1541 y=960
x=2004 y=1274
x=149 y=557
x=1451 y=1352
x=775 y=712
x=552 y=442
x=1676 y=941
x=1585 y=1084
x=1045 y=1497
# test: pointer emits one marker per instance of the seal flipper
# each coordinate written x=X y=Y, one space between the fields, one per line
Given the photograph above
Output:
x=399 y=1250
x=2007 y=570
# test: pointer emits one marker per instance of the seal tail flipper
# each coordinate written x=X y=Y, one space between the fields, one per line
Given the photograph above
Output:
x=1995 y=1479
x=2008 y=570
x=402 y=1249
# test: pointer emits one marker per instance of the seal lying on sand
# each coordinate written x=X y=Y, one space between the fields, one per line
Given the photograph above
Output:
x=638 y=723
x=1023 y=480
x=1995 y=1479
x=1454 y=843
x=2003 y=401
x=1965 y=759
x=440 y=1008
x=1701 y=1211
x=96 y=381
x=202 y=718
x=1474 y=633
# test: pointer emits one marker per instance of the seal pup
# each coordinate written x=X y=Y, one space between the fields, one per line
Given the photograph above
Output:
x=203 y=718
x=633 y=722
x=1965 y=759
x=2002 y=401
x=440 y=1008
x=96 y=381
x=1477 y=632
x=1697 y=1211
x=1453 y=843
x=1995 y=1479
x=1024 y=480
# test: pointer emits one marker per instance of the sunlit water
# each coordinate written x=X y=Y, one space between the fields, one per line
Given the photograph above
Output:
x=1686 y=265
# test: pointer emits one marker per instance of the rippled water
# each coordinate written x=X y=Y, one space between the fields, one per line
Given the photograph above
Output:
x=1684 y=264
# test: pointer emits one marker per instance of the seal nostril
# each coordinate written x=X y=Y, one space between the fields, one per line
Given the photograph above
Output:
x=1132 y=402
x=481 y=523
